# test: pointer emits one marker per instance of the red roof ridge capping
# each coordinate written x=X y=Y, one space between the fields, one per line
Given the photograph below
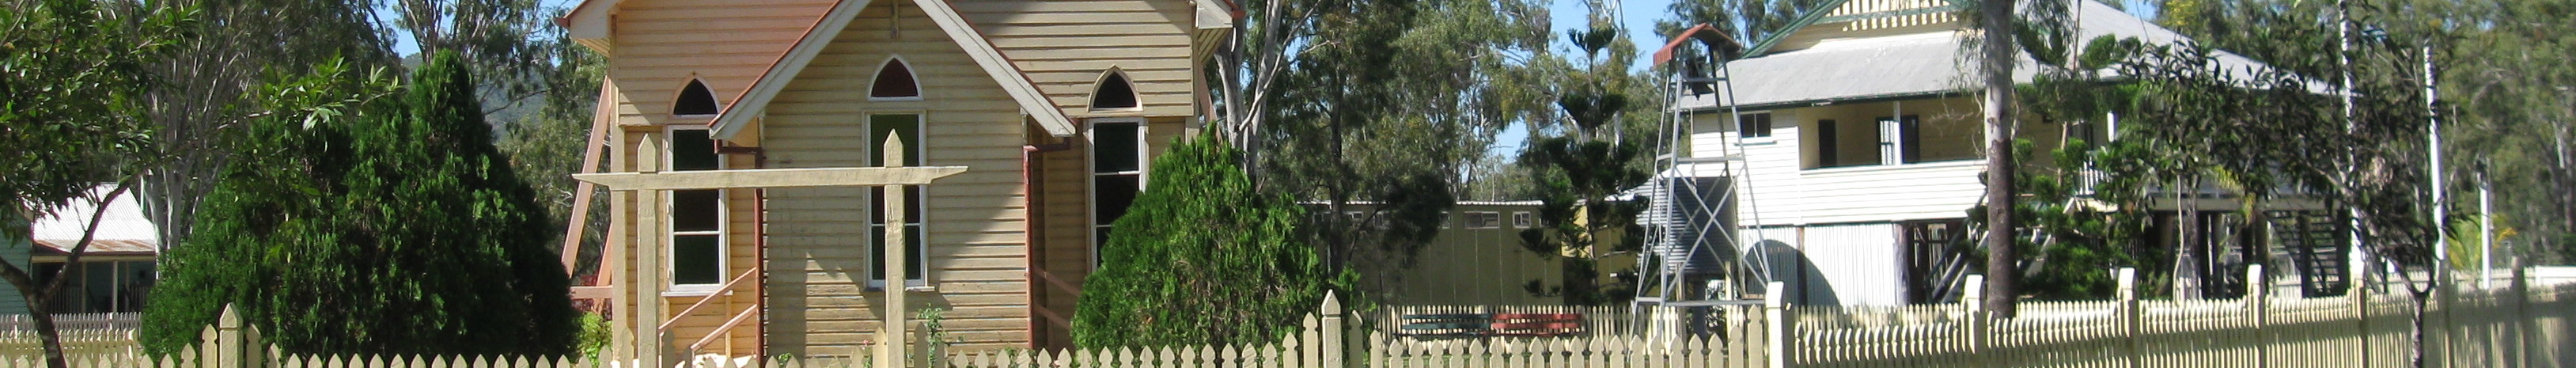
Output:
x=1706 y=34
x=782 y=58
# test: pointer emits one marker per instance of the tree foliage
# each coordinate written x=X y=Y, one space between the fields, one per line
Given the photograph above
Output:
x=1591 y=151
x=1202 y=257
x=75 y=73
x=1390 y=104
x=233 y=47
x=546 y=147
x=377 y=225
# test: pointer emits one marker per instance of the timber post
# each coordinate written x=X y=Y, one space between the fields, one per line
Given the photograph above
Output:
x=2132 y=319
x=231 y=341
x=1975 y=302
x=1776 y=307
x=1335 y=353
x=896 y=350
x=2258 y=302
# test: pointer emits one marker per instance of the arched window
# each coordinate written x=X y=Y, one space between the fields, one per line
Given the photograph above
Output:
x=1113 y=92
x=894 y=81
x=694 y=100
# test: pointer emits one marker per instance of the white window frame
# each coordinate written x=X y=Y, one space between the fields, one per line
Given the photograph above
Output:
x=684 y=90
x=1523 y=220
x=1770 y=131
x=873 y=75
x=1091 y=193
x=670 y=245
x=921 y=194
x=1092 y=103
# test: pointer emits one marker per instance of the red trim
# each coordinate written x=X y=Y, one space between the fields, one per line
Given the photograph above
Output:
x=1698 y=32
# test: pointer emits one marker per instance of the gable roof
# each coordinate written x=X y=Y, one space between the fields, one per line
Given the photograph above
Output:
x=122 y=229
x=754 y=100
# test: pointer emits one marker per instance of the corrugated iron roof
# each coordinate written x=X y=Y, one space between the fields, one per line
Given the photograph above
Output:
x=99 y=247
x=123 y=227
x=1907 y=66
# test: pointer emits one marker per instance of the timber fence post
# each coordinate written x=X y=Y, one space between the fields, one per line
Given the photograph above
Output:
x=2521 y=285
x=2131 y=319
x=2357 y=291
x=1333 y=333
x=2258 y=300
x=1776 y=307
x=1975 y=317
x=228 y=345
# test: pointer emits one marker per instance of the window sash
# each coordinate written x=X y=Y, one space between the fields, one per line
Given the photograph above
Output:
x=909 y=127
x=700 y=264
x=1117 y=166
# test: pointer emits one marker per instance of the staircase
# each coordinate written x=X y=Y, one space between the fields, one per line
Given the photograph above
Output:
x=2314 y=242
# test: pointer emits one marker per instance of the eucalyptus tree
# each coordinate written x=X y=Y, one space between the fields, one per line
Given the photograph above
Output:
x=1387 y=103
x=235 y=46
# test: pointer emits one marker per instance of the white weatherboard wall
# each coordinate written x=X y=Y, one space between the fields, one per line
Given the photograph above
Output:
x=1859 y=261
x=1773 y=182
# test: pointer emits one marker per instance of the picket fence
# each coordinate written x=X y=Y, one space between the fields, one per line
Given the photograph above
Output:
x=231 y=344
x=74 y=321
x=2517 y=324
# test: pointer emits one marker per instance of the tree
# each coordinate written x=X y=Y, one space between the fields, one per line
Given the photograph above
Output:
x=1995 y=62
x=1202 y=257
x=1390 y=105
x=1582 y=158
x=1747 y=21
x=546 y=148
x=506 y=41
x=74 y=71
x=383 y=226
x=231 y=48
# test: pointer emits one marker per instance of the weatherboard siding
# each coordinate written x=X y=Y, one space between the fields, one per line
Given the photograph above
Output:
x=661 y=44
x=1064 y=46
x=819 y=254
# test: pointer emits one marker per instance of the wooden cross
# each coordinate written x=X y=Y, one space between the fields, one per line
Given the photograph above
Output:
x=647 y=291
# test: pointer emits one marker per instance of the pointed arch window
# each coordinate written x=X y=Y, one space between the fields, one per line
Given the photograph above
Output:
x=695 y=100
x=1113 y=92
x=894 y=82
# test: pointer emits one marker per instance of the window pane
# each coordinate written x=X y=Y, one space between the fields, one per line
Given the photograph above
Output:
x=695 y=210
x=913 y=236
x=913 y=208
x=903 y=126
x=1113 y=148
x=1113 y=93
x=894 y=80
x=1115 y=193
x=696 y=260
x=694 y=100
x=692 y=150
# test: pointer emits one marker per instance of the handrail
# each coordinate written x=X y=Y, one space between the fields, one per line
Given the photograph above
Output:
x=720 y=330
x=702 y=302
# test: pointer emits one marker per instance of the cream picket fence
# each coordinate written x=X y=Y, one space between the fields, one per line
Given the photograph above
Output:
x=2516 y=325
x=231 y=344
x=74 y=321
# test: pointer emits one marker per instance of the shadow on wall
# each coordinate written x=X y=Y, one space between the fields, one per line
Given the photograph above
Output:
x=1788 y=265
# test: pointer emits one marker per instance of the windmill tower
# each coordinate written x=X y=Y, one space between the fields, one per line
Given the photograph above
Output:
x=1694 y=249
